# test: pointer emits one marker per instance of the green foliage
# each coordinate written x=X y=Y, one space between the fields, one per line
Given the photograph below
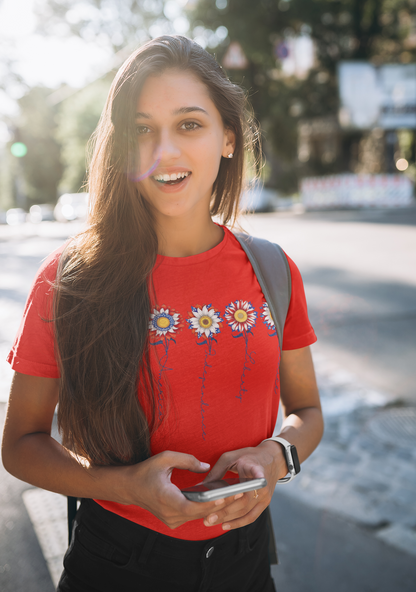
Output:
x=78 y=118
x=107 y=22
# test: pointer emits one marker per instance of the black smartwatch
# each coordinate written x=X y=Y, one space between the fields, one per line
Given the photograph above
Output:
x=292 y=459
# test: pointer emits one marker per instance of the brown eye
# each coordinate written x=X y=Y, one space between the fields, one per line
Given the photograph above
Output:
x=142 y=129
x=190 y=125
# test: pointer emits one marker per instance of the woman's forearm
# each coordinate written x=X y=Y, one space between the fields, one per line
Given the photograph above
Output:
x=304 y=429
x=32 y=455
x=40 y=460
x=303 y=422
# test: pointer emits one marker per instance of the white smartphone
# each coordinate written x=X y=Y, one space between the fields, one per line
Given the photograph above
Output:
x=213 y=490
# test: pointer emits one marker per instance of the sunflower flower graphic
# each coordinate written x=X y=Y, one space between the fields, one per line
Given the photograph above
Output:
x=205 y=322
x=267 y=319
x=164 y=324
x=241 y=317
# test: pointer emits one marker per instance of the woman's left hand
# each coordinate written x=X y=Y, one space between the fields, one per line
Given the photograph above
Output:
x=302 y=426
x=264 y=461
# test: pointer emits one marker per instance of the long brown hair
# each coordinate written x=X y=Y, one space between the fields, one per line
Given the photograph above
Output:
x=102 y=302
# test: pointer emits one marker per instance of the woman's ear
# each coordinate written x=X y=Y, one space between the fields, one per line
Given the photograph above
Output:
x=229 y=143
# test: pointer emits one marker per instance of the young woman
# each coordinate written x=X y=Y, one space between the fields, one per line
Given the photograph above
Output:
x=151 y=331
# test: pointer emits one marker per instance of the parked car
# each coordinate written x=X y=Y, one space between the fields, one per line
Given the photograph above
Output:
x=71 y=206
x=257 y=198
x=16 y=216
x=41 y=212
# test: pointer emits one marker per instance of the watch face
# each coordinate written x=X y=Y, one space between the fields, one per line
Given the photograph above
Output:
x=295 y=458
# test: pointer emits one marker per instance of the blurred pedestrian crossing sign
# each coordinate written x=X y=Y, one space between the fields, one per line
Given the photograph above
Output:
x=235 y=58
x=281 y=50
x=18 y=149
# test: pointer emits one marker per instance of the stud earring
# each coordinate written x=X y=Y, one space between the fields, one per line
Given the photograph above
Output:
x=230 y=155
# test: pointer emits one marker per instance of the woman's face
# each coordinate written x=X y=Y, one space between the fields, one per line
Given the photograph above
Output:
x=181 y=139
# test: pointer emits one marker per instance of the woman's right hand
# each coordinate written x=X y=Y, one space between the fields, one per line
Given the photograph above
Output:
x=148 y=485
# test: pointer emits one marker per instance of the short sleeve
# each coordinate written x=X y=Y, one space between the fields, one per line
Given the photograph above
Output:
x=33 y=351
x=298 y=331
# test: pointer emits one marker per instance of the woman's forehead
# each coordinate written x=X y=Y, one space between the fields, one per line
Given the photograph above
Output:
x=174 y=91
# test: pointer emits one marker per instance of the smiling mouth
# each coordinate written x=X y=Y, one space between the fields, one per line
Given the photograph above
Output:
x=173 y=179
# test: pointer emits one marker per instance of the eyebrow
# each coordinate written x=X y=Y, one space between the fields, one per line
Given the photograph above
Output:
x=181 y=111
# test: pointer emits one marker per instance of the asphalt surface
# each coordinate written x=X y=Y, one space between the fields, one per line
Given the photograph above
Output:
x=348 y=522
x=360 y=280
x=22 y=565
x=321 y=552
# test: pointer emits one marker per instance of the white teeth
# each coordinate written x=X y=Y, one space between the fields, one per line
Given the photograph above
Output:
x=173 y=177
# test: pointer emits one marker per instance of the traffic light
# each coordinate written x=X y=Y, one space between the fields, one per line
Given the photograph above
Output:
x=18 y=149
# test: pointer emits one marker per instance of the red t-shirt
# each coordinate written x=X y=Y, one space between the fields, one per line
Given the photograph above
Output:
x=218 y=352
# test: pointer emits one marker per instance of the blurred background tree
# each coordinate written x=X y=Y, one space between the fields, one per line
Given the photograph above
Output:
x=38 y=169
x=78 y=117
x=108 y=22
x=55 y=124
x=381 y=31
x=296 y=103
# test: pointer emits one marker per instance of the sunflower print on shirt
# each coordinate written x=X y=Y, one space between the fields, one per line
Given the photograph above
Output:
x=269 y=322
x=241 y=317
x=205 y=322
x=164 y=325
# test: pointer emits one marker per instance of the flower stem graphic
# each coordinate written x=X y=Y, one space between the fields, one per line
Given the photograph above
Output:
x=203 y=403
x=276 y=389
x=241 y=317
x=164 y=323
x=247 y=359
x=163 y=361
x=205 y=322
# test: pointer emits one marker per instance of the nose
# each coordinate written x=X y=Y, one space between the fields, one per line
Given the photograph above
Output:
x=166 y=148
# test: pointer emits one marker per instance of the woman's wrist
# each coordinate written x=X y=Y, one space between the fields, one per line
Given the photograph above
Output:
x=279 y=460
x=113 y=483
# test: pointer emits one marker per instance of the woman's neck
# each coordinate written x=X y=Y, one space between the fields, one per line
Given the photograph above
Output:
x=187 y=237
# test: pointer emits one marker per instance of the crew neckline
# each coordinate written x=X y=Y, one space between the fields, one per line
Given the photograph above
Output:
x=200 y=257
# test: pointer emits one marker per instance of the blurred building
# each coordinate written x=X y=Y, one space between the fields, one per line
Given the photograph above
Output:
x=375 y=130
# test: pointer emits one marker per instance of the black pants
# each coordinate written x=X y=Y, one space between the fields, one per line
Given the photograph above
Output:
x=111 y=554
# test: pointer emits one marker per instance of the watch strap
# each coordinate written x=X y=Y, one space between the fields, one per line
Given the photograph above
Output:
x=292 y=463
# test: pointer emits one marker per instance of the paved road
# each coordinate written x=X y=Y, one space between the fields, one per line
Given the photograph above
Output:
x=340 y=525
x=360 y=279
x=22 y=565
x=322 y=552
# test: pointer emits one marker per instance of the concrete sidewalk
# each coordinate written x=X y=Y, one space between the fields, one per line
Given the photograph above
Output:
x=365 y=467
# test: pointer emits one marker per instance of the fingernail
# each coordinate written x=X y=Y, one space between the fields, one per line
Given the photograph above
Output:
x=219 y=502
x=238 y=496
x=226 y=527
x=205 y=465
x=212 y=519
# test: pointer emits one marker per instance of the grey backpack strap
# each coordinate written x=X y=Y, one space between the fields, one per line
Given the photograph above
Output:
x=273 y=274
